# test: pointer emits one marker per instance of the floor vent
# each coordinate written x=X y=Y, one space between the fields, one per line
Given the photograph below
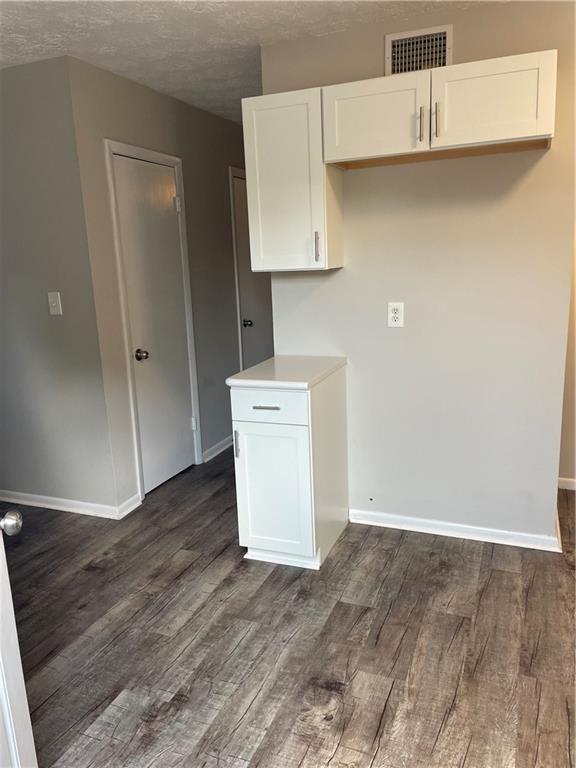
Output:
x=423 y=49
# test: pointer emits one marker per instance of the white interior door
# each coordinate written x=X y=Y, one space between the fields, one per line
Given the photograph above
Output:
x=273 y=487
x=502 y=99
x=377 y=117
x=253 y=290
x=155 y=281
x=16 y=740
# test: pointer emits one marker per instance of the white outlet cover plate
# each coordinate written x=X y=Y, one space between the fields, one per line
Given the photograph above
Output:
x=395 y=314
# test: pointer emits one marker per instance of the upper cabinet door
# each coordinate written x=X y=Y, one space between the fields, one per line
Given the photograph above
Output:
x=375 y=118
x=483 y=102
x=285 y=180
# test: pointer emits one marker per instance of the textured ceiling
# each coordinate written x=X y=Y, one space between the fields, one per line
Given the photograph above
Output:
x=205 y=53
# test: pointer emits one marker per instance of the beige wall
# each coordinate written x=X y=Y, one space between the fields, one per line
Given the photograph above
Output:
x=53 y=414
x=457 y=416
x=108 y=106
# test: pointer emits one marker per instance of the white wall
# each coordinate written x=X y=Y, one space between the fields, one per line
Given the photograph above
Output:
x=457 y=416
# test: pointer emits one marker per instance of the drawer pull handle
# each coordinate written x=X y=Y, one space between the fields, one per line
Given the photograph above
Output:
x=265 y=407
x=236 y=439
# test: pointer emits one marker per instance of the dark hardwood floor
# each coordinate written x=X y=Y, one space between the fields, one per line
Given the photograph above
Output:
x=150 y=642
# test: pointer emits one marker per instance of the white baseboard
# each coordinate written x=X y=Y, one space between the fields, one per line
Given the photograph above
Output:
x=567 y=483
x=70 y=505
x=128 y=506
x=211 y=453
x=443 y=528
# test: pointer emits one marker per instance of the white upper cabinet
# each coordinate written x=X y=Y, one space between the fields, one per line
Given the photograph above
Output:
x=498 y=100
x=293 y=142
x=293 y=198
x=375 y=118
x=462 y=105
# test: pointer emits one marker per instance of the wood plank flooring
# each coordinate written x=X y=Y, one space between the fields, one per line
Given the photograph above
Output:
x=151 y=643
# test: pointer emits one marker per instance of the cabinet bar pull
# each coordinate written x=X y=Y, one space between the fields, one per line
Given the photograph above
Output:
x=421 y=125
x=436 y=110
x=236 y=439
x=265 y=407
x=316 y=246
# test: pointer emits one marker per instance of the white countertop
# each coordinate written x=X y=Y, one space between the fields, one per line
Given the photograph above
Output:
x=287 y=372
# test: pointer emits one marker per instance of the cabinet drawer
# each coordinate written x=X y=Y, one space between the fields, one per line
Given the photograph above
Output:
x=270 y=406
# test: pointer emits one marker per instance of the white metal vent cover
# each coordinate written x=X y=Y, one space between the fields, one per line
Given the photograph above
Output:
x=422 y=49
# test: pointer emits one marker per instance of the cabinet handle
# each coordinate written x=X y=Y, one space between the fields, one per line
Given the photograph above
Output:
x=236 y=438
x=436 y=111
x=265 y=407
x=316 y=246
x=421 y=125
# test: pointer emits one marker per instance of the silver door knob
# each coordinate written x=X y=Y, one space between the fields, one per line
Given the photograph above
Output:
x=141 y=354
x=11 y=523
x=247 y=323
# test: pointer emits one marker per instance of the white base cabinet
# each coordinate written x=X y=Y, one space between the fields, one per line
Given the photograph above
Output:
x=290 y=452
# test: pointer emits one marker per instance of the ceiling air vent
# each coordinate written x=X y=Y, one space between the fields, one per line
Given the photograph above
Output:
x=423 y=49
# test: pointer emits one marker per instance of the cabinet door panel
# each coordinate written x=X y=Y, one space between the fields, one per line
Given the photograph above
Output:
x=375 y=118
x=285 y=180
x=273 y=487
x=507 y=99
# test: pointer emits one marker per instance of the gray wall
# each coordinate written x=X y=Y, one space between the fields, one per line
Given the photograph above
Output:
x=457 y=416
x=66 y=429
x=53 y=416
x=108 y=106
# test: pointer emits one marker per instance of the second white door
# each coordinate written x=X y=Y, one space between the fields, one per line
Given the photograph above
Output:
x=253 y=289
x=155 y=282
x=16 y=740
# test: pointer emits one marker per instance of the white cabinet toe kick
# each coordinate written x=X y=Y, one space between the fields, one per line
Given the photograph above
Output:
x=290 y=455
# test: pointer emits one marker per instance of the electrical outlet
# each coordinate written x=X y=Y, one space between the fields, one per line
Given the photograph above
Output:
x=395 y=314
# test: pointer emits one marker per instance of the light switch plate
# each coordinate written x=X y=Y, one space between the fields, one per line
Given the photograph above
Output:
x=395 y=314
x=54 y=303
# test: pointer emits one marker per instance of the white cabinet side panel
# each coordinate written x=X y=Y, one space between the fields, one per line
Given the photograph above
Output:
x=329 y=459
